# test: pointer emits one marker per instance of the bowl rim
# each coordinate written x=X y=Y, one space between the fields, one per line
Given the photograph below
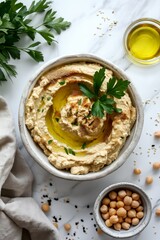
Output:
x=23 y=129
x=136 y=229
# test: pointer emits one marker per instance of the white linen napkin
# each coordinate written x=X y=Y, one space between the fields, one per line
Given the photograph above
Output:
x=20 y=216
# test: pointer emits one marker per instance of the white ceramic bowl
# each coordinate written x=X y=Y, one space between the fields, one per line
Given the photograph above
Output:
x=38 y=154
x=133 y=230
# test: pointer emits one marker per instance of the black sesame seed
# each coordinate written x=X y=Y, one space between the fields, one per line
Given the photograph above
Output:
x=49 y=202
x=55 y=219
x=153 y=145
x=91 y=213
x=76 y=223
x=56 y=199
x=87 y=206
x=82 y=220
x=45 y=196
x=50 y=184
x=76 y=206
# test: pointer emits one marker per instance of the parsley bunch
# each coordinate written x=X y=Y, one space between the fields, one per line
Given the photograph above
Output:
x=104 y=102
x=15 y=23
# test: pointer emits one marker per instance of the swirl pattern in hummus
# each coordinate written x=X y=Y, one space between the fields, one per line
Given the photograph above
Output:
x=59 y=118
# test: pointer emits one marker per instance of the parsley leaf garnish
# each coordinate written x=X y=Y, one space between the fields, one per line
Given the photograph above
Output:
x=104 y=102
x=117 y=88
x=16 y=23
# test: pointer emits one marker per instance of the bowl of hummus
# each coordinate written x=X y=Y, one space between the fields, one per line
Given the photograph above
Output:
x=80 y=117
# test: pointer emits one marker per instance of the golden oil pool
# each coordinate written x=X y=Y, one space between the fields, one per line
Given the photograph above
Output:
x=144 y=42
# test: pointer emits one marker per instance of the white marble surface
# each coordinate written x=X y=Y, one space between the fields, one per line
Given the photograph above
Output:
x=98 y=28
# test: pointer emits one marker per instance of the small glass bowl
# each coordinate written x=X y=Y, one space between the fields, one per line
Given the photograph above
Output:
x=153 y=23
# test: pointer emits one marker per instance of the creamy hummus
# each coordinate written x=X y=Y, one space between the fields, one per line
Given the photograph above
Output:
x=59 y=118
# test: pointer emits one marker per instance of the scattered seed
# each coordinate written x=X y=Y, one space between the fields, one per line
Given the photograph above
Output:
x=55 y=224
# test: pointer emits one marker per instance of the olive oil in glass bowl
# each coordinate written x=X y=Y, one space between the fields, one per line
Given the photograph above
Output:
x=142 y=41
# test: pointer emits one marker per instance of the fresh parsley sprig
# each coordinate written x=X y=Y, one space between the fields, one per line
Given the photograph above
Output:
x=16 y=22
x=104 y=102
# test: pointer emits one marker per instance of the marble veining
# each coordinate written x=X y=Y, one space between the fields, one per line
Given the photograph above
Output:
x=97 y=27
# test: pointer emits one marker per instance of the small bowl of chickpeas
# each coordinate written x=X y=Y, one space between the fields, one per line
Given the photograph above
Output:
x=122 y=210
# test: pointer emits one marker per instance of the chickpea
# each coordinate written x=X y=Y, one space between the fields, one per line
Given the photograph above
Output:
x=149 y=180
x=129 y=193
x=108 y=223
x=137 y=171
x=128 y=220
x=125 y=225
x=139 y=209
x=156 y=165
x=132 y=213
x=122 y=193
x=105 y=201
x=139 y=200
x=103 y=209
x=140 y=215
x=118 y=198
x=157 y=134
x=127 y=200
x=45 y=207
x=127 y=207
x=158 y=212
x=67 y=227
x=112 y=195
x=135 y=221
x=114 y=219
x=105 y=216
x=120 y=219
x=121 y=212
x=99 y=231
x=135 y=196
x=112 y=211
x=113 y=204
x=120 y=204
x=135 y=204
x=117 y=226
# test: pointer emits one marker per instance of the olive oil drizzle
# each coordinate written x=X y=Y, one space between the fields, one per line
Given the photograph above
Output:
x=144 y=42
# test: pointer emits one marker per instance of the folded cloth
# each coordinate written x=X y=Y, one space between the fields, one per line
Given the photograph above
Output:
x=20 y=216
